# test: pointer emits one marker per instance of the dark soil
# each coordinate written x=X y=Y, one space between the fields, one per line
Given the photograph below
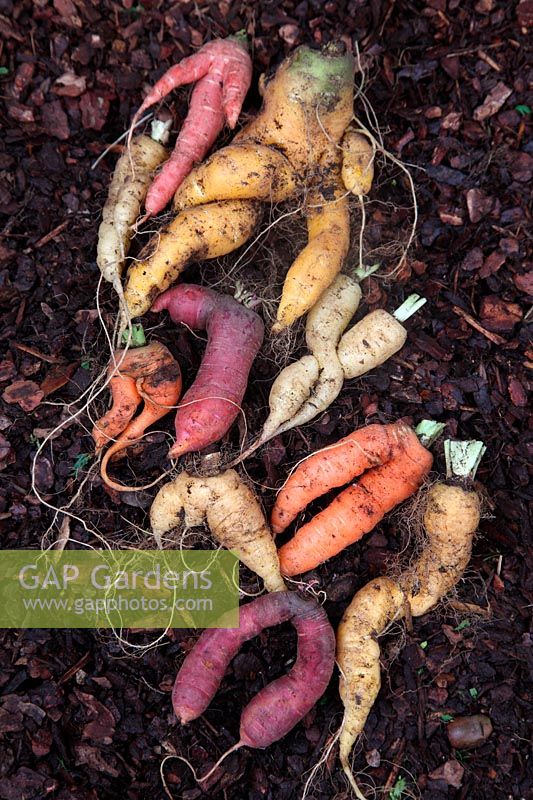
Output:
x=78 y=718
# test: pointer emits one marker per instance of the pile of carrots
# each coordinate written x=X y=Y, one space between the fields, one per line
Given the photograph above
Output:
x=304 y=144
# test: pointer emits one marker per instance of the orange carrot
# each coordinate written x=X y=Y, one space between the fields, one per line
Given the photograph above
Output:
x=126 y=398
x=149 y=373
x=332 y=467
x=125 y=369
x=152 y=411
x=357 y=509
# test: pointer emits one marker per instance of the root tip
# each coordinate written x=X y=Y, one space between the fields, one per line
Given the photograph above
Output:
x=177 y=450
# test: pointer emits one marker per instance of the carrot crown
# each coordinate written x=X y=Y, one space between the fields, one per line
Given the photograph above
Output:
x=240 y=37
x=320 y=75
x=135 y=337
x=429 y=431
x=462 y=458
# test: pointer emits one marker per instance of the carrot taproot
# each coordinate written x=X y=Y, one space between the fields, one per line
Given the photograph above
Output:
x=305 y=388
x=321 y=260
x=323 y=328
x=356 y=510
x=132 y=177
x=232 y=513
x=147 y=373
x=332 y=467
x=293 y=147
x=246 y=171
x=126 y=399
x=357 y=162
x=222 y=71
x=235 y=334
x=205 y=232
x=451 y=517
x=375 y=338
x=281 y=704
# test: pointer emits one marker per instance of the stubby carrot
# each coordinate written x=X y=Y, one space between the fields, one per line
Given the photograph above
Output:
x=222 y=71
x=235 y=334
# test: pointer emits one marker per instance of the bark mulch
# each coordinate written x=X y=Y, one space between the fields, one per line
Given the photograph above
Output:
x=79 y=720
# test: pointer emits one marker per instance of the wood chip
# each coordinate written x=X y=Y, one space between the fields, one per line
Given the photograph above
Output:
x=493 y=337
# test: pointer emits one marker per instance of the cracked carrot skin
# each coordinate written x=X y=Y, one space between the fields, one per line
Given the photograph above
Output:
x=222 y=71
x=359 y=508
x=332 y=467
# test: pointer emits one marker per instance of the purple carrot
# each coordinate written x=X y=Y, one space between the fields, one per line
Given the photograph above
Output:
x=235 y=334
x=280 y=705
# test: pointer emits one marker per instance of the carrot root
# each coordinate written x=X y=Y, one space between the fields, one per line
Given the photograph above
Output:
x=222 y=71
x=147 y=373
x=357 y=509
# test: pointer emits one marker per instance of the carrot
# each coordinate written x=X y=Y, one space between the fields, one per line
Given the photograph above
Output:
x=232 y=513
x=290 y=151
x=222 y=71
x=280 y=705
x=321 y=260
x=371 y=611
x=402 y=464
x=323 y=328
x=238 y=172
x=375 y=338
x=205 y=232
x=308 y=386
x=144 y=373
x=131 y=179
x=235 y=334
x=451 y=518
x=126 y=398
x=357 y=162
x=332 y=467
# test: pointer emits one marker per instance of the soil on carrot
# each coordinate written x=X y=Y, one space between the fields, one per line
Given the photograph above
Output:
x=79 y=718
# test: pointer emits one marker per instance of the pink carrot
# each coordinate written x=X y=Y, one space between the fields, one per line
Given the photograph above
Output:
x=223 y=70
x=280 y=705
x=235 y=334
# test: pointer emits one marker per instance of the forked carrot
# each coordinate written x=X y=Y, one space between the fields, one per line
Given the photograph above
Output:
x=399 y=468
x=332 y=467
x=126 y=398
x=167 y=397
x=147 y=373
x=222 y=71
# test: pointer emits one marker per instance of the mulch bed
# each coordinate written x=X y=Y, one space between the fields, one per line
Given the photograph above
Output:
x=79 y=719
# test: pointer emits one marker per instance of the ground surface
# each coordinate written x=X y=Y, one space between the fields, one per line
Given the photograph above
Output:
x=78 y=718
